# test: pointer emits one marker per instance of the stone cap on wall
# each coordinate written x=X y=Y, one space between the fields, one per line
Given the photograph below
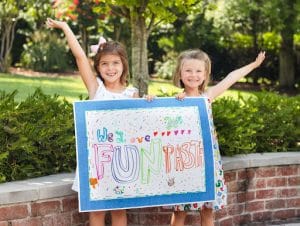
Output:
x=60 y=185
x=260 y=160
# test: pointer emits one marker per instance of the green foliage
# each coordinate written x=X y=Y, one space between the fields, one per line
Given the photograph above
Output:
x=46 y=52
x=36 y=136
x=166 y=68
x=265 y=123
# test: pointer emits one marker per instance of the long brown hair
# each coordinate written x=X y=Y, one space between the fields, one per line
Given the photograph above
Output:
x=192 y=54
x=112 y=48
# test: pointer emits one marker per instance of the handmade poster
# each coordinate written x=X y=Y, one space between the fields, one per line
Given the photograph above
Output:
x=134 y=153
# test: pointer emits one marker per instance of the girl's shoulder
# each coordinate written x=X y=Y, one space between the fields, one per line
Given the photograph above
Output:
x=130 y=91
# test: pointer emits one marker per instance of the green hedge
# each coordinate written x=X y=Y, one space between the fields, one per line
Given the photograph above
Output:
x=37 y=134
x=264 y=123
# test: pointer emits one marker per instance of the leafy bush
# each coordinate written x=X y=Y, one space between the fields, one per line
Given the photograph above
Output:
x=46 y=52
x=36 y=136
x=265 y=123
x=165 y=69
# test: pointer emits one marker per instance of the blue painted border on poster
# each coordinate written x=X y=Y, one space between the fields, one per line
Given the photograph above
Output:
x=85 y=204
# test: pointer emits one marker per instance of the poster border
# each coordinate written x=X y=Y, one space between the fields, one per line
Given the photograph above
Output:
x=85 y=204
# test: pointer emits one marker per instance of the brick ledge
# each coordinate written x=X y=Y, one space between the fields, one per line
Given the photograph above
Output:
x=60 y=185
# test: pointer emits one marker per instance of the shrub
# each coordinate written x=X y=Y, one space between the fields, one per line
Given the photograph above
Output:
x=264 y=123
x=36 y=136
x=46 y=52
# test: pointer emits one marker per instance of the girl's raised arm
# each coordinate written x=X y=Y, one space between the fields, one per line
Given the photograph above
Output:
x=82 y=61
x=233 y=77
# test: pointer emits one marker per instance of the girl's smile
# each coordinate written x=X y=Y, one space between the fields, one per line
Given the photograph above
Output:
x=111 y=68
x=192 y=74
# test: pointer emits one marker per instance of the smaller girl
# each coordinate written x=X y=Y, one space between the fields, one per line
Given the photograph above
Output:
x=111 y=66
x=192 y=74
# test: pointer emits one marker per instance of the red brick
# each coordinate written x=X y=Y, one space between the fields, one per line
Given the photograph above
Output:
x=69 y=204
x=257 y=184
x=255 y=206
x=293 y=203
x=27 y=222
x=289 y=192
x=230 y=176
x=288 y=170
x=192 y=219
x=275 y=204
x=242 y=175
x=242 y=185
x=235 y=209
x=154 y=219
x=277 y=182
x=250 y=196
x=231 y=198
x=13 y=212
x=79 y=218
x=62 y=219
x=226 y=222
x=232 y=186
x=265 y=194
x=262 y=216
x=284 y=214
x=265 y=172
x=4 y=223
x=294 y=181
x=241 y=197
x=221 y=214
x=44 y=208
x=242 y=219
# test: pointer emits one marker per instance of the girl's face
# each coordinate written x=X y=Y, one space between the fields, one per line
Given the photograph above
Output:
x=111 y=68
x=192 y=73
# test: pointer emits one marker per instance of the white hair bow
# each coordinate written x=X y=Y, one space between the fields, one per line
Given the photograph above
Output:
x=94 y=48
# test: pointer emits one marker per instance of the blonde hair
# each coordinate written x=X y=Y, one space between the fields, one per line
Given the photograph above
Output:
x=192 y=54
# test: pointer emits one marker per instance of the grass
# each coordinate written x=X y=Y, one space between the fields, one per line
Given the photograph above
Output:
x=71 y=87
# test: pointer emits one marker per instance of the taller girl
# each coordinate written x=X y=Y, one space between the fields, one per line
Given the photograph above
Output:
x=111 y=66
x=193 y=74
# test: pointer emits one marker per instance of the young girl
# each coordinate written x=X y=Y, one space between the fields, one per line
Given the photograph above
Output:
x=192 y=74
x=111 y=66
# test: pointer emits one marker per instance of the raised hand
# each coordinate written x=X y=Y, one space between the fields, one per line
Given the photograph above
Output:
x=55 y=23
x=260 y=58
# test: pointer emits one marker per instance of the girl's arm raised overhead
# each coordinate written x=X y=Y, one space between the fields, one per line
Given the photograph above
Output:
x=233 y=77
x=82 y=61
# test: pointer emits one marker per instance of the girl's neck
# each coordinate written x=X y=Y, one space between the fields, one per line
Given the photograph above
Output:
x=192 y=93
x=114 y=87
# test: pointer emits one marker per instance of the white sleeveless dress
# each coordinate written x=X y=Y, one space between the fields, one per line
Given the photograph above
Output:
x=103 y=94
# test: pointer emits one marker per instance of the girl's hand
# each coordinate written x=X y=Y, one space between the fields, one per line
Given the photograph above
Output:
x=55 y=23
x=260 y=58
x=149 y=98
x=180 y=96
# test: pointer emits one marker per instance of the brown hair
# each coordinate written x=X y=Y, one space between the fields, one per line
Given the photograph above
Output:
x=112 y=48
x=192 y=54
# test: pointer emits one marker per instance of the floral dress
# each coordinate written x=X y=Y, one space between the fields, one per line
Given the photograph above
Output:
x=220 y=187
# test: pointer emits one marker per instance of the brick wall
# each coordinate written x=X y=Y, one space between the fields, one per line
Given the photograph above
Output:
x=256 y=196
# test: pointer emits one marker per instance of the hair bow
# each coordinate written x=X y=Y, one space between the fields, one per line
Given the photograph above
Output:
x=94 y=48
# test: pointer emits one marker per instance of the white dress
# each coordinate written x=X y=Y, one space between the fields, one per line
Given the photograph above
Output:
x=103 y=94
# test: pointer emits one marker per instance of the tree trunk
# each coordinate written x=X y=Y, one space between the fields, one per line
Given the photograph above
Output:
x=286 y=63
x=139 y=54
x=286 y=54
x=6 y=40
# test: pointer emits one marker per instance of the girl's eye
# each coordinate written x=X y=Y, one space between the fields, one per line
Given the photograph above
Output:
x=103 y=63
x=116 y=63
